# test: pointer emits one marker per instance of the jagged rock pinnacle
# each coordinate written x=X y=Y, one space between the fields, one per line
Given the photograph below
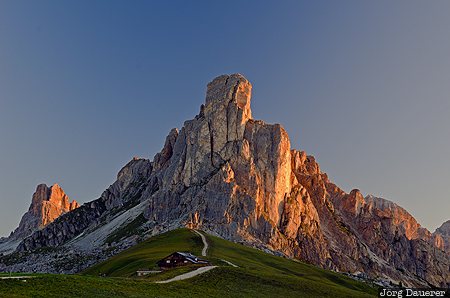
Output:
x=48 y=203
x=233 y=88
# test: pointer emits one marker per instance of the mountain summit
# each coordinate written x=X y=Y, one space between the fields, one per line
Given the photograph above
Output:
x=47 y=204
x=238 y=178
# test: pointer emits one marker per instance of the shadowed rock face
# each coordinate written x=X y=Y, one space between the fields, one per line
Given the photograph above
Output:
x=237 y=177
x=48 y=203
x=442 y=236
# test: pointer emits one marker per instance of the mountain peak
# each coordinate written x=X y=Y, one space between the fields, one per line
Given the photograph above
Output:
x=444 y=229
x=227 y=173
x=48 y=203
x=226 y=89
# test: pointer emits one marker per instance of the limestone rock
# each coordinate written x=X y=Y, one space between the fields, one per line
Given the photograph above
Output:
x=442 y=236
x=237 y=177
x=48 y=203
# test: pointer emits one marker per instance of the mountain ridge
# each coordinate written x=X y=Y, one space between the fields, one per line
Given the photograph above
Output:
x=238 y=178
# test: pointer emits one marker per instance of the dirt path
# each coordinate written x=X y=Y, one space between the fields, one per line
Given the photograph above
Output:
x=229 y=263
x=205 y=248
x=196 y=272
x=15 y=277
x=205 y=243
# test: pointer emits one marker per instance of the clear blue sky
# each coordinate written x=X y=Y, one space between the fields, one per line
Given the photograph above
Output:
x=362 y=85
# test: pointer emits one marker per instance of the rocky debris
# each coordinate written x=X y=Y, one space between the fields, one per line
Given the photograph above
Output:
x=60 y=260
x=233 y=176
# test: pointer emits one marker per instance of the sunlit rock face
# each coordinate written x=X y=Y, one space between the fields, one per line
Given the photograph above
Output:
x=234 y=171
x=237 y=177
x=394 y=237
x=48 y=203
x=401 y=220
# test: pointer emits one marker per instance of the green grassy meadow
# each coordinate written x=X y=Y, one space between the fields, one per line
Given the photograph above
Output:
x=258 y=275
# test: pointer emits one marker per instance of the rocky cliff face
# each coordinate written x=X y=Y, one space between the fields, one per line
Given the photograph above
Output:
x=401 y=247
x=48 y=203
x=237 y=177
x=122 y=195
x=441 y=237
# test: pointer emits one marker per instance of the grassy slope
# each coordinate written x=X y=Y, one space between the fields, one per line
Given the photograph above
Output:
x=259 y=275
x=146 y=254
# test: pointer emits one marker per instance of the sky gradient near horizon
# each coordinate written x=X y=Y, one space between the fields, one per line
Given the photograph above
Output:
x=363 y=86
